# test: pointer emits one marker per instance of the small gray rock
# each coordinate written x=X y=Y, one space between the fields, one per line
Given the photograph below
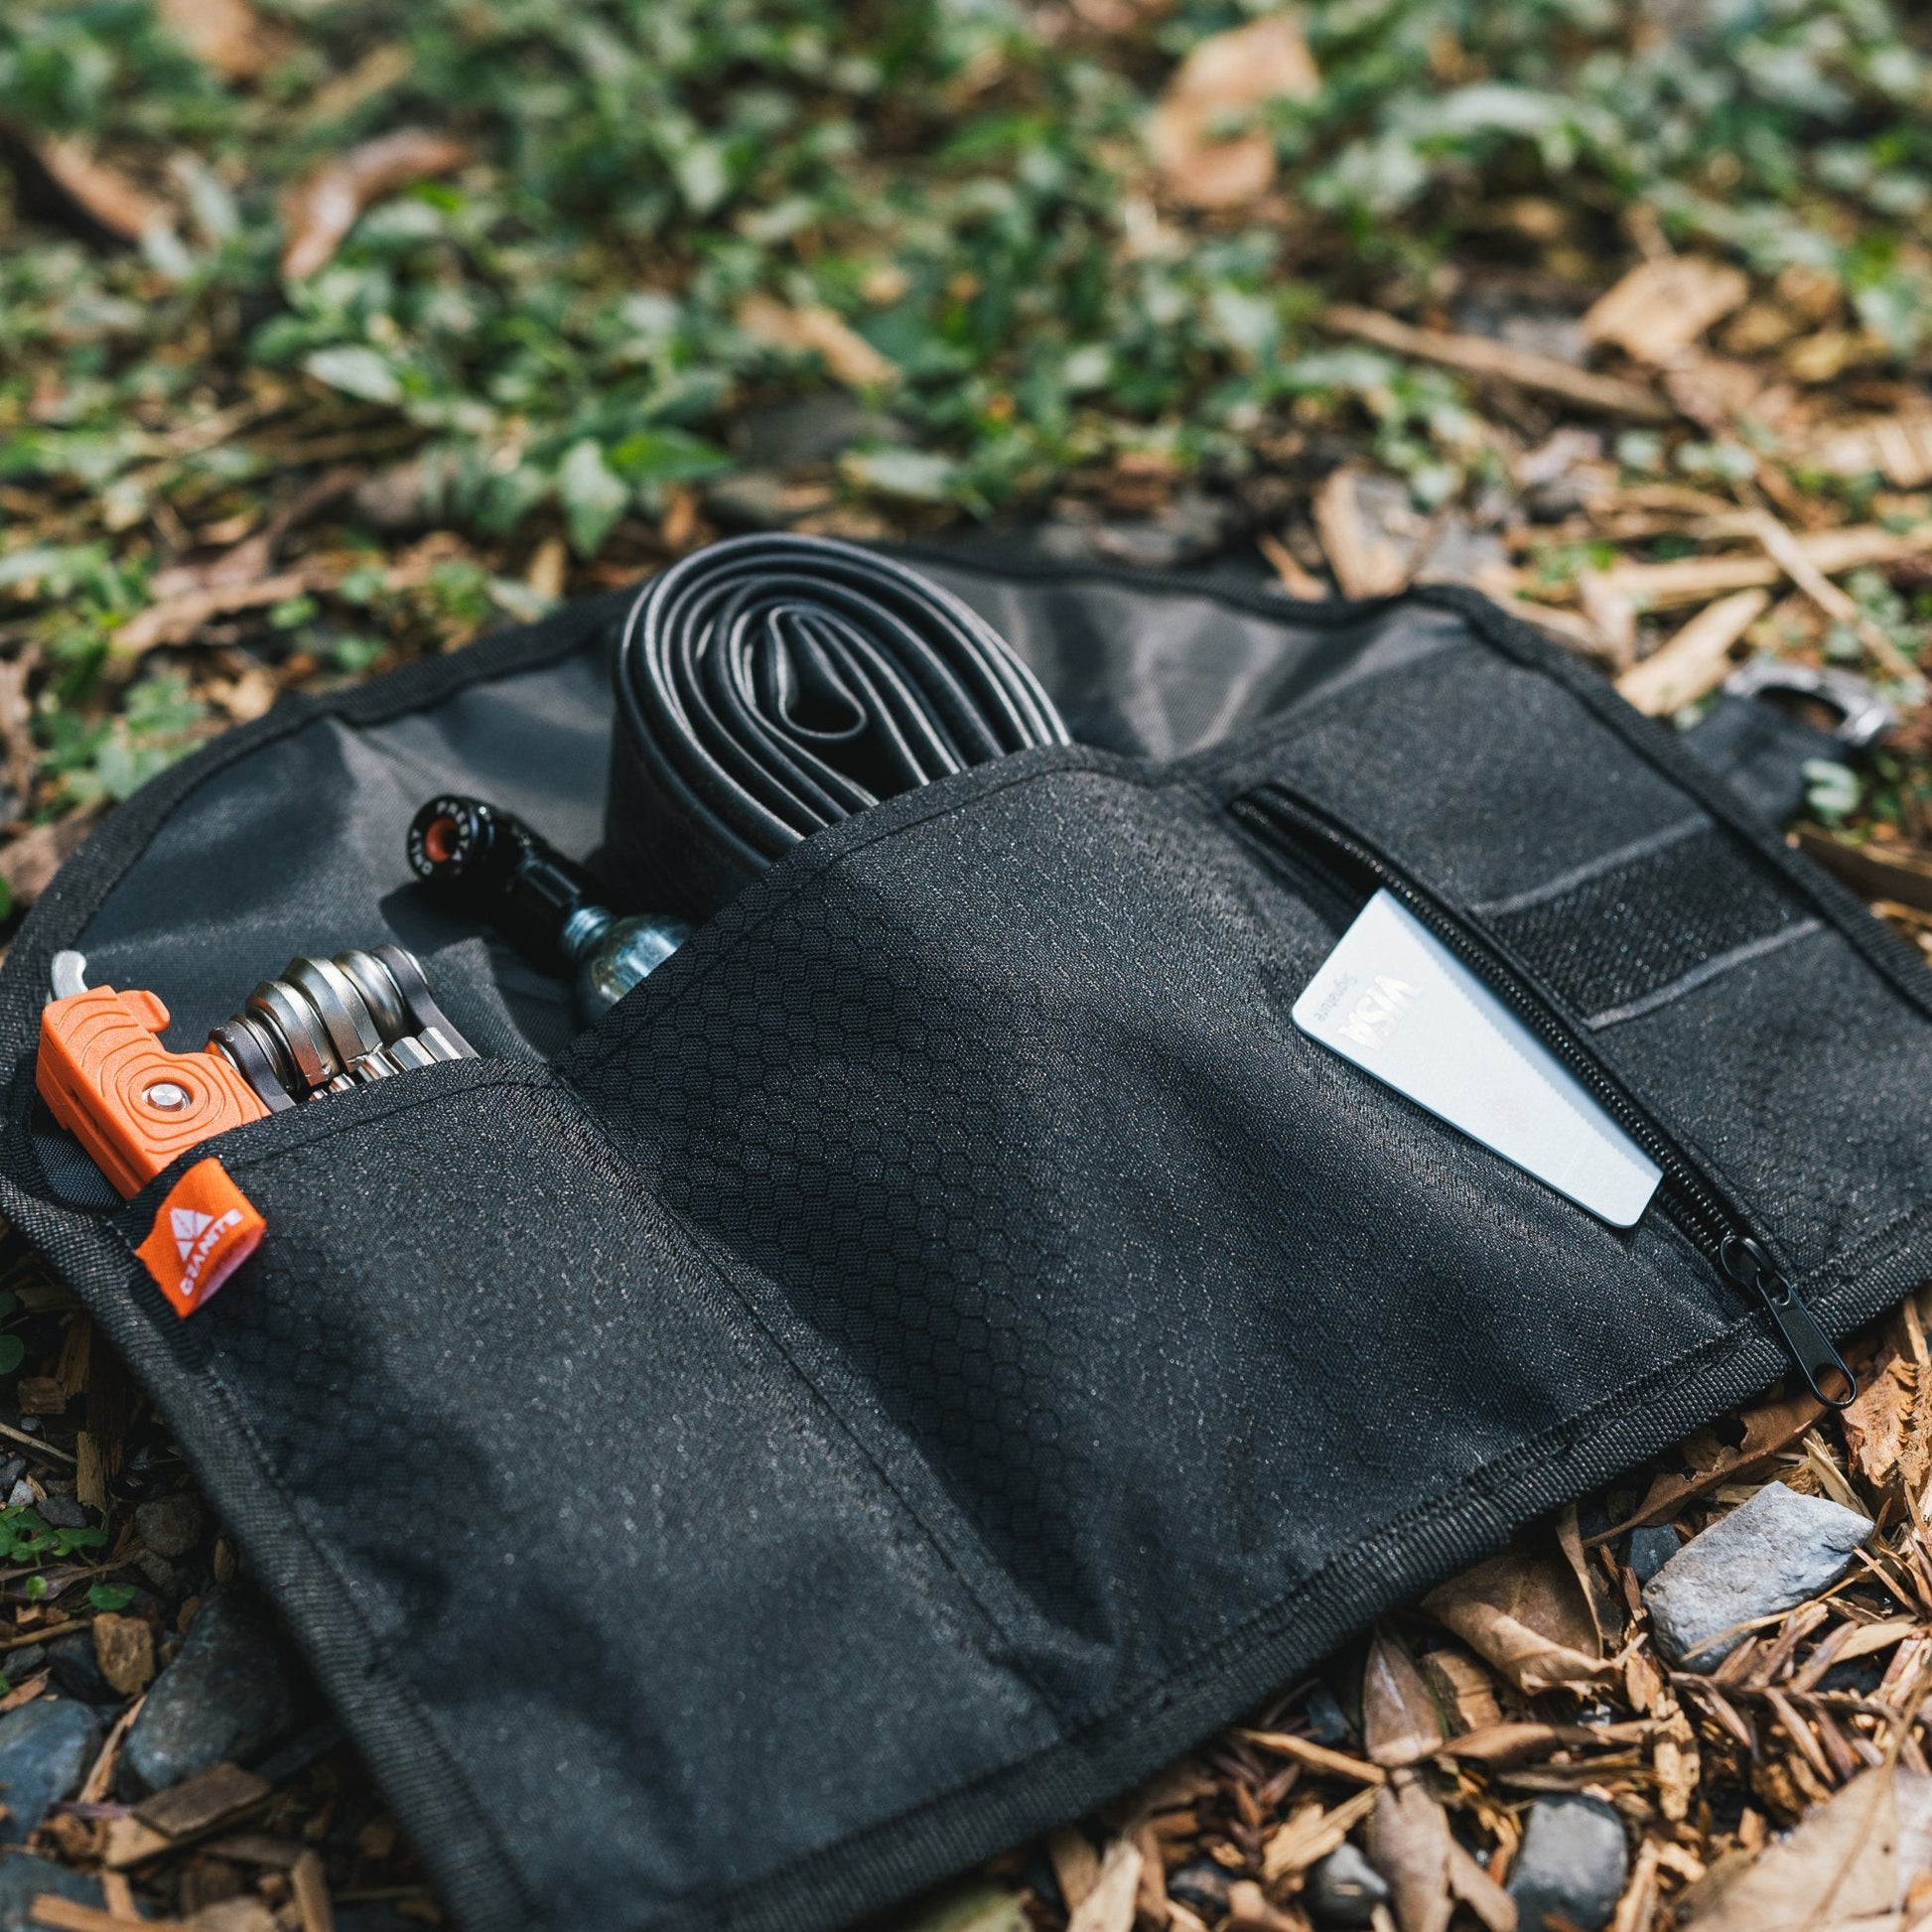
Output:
x=45 y=1749
x=1344 y=1889
x=1572 y=1867
x=230 y=1693
x=1650 y=1550
x=23 y=1663
x=171 y=1526
x=65 y=1512
x=11 y=1470
x=1328 y=1722
x=1201 y=1885
x=24 y=1878
x=1771 y=1554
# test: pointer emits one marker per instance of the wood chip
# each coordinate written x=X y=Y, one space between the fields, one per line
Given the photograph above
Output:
x=320 y=210
x=1661 y=307
x=25 y=1692
x=1288 y=572
x=1789 y=554
x=1227 y=77
x=69 y=1915
x=1496 y=362
x=1898 y=447
x=822 y=331
x=311 y=1888
x=1076 y=1865
x=1874 y=872
x=124 y=1651
x=1318 y=1757
x=1109 y=1907
x=1694 y=580
x=1694 y=661
x=201 y=1803
x=42 y=1395
x=1311 y=1834
x=46 y=1633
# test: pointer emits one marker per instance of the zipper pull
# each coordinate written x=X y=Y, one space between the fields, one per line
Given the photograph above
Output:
x=1808 y=1345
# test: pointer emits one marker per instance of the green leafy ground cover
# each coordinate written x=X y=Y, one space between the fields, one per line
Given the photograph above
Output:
x=555 y=330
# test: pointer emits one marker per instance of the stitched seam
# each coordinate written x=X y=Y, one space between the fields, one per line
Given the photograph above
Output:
x=1703 y=973
x=1608 y=861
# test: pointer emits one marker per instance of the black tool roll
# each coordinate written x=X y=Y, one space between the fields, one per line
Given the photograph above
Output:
x=946 y=1341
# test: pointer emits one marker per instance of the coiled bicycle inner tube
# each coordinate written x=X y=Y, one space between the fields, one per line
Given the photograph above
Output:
x=770 y=686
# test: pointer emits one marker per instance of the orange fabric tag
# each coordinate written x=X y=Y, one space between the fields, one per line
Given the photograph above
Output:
x=203 y=1231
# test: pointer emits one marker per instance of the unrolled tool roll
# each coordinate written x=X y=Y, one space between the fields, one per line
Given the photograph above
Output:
x=769 y=686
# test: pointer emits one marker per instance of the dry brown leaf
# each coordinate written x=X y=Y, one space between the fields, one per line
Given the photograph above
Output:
x=100 y=194
x=1505 y=1745
x=1839 y=1864
x=1224 y=78
x=1715 y=390
x=847 y=355
x=1365 y=563
x=1662 y=307
x=1400 y=1721
x=224 y=35
x=1428 y=1871
x=1767 y=1429
x=1696 y=659
x=322 y=208
x=29 y=863
x=1524 y=1613
x=1109 y=1907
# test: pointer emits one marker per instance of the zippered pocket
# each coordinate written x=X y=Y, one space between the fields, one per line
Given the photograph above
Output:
x=1340 y=871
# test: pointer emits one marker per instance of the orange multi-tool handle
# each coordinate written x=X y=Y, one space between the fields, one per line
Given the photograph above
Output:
x=130 y=1102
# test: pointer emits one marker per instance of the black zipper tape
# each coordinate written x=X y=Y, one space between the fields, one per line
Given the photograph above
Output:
x=1295 y=830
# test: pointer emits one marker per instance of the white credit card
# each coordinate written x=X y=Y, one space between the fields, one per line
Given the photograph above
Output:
x=1397 y=1002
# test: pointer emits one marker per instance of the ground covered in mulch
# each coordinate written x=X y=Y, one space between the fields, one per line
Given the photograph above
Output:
x=336 y=334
